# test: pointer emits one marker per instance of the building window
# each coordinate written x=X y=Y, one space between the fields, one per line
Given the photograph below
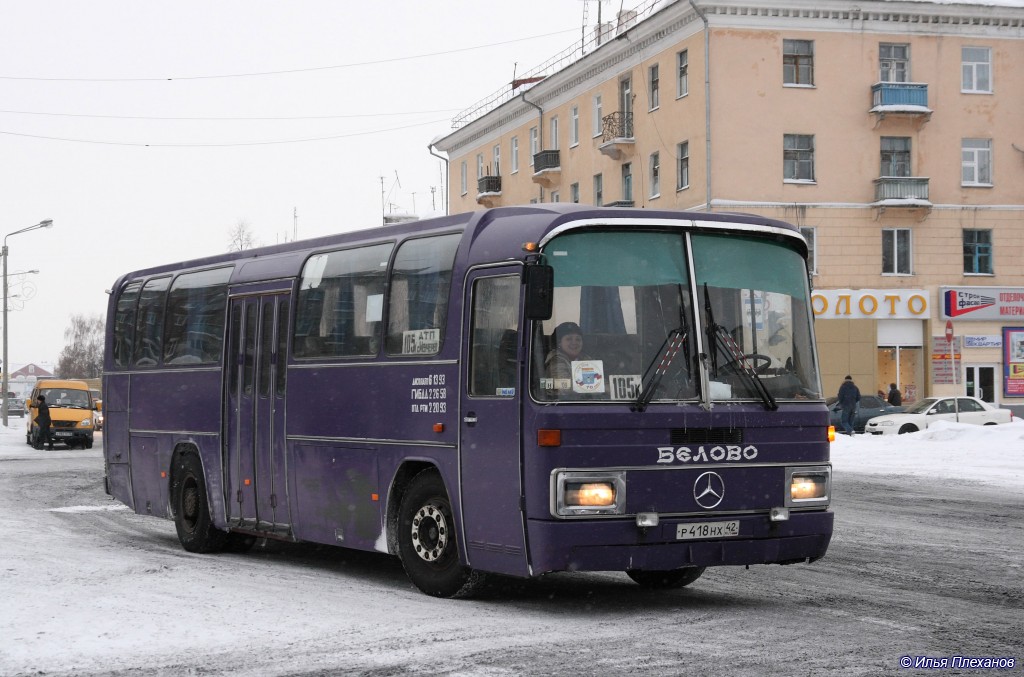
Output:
x=978 y=252
x=598 y=189
x=895 y=156
x=534 y=143
x=653 y=86
x=598 y=126
x=479 y=165
x=798 y=62
x=464 y=179
x=574 y=126
x=682 y=76
x=810 y=234
x=683 y=165
x=514 y=152
x=893 y=62
x=655 y=180
x=976 y=70
x=496 y=154
x=627 y=182
x=574 y=192
x=976 y=162
x=555 y=197
x=798 y=157
x=553 y=142
x=896 y=250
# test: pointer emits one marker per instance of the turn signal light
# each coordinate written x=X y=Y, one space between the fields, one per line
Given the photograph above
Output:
x=831 y=433
x=549 y=438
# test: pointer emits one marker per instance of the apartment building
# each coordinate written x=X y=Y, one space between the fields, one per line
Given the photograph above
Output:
x=891 y=133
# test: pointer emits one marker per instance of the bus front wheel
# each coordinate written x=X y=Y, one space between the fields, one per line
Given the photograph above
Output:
x=191 y=507
x=427 y=542
x=674 y=578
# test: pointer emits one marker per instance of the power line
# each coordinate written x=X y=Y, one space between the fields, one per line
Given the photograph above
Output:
x=291 y=71
x=222 y=145
x=228 y=118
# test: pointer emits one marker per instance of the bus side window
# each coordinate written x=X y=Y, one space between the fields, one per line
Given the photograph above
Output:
x=124 y=325
x=495 y=336
x=418 y=306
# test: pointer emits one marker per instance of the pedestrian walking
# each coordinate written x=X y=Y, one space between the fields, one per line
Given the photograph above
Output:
x=849 y=402
x=894 y=398
x=44 y=422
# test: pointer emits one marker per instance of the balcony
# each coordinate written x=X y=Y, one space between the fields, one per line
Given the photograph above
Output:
x=902 y=192
x=488 y=190
x=617 y=135
x=547 y=168
x=900 y=98
x=620 y=203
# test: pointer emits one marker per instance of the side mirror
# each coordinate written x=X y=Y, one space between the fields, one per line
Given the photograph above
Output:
x=540 y=291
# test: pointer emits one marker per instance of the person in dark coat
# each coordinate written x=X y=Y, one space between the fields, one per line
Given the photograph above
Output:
x=43 y=421
x=849 y=401
x=894 y=398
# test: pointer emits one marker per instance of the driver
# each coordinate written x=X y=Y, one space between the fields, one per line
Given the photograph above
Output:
x=568 y=341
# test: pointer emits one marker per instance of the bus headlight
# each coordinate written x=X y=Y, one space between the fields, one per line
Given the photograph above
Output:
x=808 y=486
x=580 y=493
x=85 y=423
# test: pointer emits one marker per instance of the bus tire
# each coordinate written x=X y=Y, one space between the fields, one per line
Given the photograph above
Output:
x=427 y=542
x=191 y=506
x=661 y=580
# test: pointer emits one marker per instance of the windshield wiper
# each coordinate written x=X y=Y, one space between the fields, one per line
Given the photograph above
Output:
x=658 y=367
x=719 y=338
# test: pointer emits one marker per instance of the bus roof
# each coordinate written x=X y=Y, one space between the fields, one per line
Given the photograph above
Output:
x=489 y=237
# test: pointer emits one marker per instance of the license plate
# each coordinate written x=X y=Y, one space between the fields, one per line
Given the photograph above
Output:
x=688 y=532
x=61 y=433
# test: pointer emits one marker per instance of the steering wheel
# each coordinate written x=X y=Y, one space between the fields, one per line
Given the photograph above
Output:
x=759 y=362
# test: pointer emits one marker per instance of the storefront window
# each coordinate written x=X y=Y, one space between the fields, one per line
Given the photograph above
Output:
x=904 y=366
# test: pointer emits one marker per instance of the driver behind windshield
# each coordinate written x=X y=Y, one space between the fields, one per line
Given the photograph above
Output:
x=567 y=339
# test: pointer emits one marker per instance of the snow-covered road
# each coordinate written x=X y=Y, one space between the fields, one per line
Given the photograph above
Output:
x=926 y=561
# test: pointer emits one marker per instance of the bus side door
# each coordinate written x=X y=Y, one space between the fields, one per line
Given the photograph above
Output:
x=490 y=447
x=254 y=465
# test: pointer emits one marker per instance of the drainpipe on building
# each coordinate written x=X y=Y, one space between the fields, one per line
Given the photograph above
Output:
x=540 y=132
x=444 y=193
x=707 y=104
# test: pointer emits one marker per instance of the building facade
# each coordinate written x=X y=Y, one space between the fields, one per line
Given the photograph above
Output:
x=891 y=133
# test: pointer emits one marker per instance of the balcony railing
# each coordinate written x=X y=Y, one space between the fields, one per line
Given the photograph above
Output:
x=621 y=203
x=617 y=125
x=546 y=159
x=909 y=190
x=488 y=184
x=897 y=94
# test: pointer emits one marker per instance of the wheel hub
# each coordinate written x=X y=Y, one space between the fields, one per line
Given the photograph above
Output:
x=190 y=504
x=429 y=533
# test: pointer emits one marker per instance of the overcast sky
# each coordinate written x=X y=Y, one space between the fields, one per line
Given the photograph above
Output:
x=130 y=124
x=91 y=136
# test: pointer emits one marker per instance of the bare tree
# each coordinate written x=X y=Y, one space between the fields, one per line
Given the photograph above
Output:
x=82 y=357
x=241 y=237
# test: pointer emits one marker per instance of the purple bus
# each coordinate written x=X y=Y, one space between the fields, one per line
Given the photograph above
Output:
x=514 y=391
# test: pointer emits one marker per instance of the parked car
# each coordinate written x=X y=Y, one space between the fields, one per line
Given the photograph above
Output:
x=16 y=407
x=922 y=414
x=870 y=407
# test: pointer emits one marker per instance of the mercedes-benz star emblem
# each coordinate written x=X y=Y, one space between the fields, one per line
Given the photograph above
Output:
x=708 y=490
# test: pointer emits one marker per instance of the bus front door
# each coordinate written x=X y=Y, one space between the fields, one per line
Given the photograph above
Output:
x=490 y=445
x=255 y=468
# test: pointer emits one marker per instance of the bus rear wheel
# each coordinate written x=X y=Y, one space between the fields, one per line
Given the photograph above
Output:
x=660 y=580
x=191 y=507
x=427 y=544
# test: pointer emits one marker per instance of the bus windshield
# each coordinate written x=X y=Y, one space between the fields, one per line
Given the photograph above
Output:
x=629 y=323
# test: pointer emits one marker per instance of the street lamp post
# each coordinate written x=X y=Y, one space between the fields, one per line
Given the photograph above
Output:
x=5 y=365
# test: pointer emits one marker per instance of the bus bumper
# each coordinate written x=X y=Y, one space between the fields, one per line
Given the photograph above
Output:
x=621 y=545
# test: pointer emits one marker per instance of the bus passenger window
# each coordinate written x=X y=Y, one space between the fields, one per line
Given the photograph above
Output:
x=339 y=309
x=150 y=323
x=420 y=283
x=124 y=325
